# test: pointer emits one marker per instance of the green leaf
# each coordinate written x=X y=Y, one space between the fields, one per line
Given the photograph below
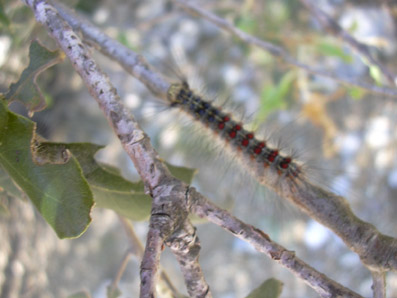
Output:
x=110 y=189
x=246 y=23
x=4 y=203
x=82 y=294
x=353 y=27
x=4 y=21
x=356 y=92
x=270 y=288
x=376 y=74
x=8 y=185
x=59 y=191
x=113 y=292
x=182 y=173
x=87 y=6
x=273 y=97
x=332 y=50
x=26 y=89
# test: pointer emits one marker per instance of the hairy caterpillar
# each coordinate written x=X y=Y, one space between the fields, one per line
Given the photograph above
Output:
x=265 y=162
x=281 y=174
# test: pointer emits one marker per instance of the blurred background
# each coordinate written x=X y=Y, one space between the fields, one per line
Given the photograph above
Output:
x=345 y=136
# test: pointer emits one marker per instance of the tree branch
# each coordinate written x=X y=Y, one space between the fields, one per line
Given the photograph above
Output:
x=323 y=285
x=379 y=284
x=187 y=254
x=137 y=249
x=169 y=210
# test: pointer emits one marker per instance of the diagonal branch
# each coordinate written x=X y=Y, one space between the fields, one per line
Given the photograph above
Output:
x=193 y=9
x=323 y=285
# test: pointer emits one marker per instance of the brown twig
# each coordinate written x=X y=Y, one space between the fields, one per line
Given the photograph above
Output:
x=123 y=265
x=379 y=284
x=193 y=9
x=187 y=254
x=323 y=285
x=137 y=249
x=167 y=192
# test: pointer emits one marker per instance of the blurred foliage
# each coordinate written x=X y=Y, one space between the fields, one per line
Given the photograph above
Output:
x=4 y=21
x=87 y=6
x=331 y=50
x=49 y=185
x=270 y=288
x=82 y=294
x=274 y=98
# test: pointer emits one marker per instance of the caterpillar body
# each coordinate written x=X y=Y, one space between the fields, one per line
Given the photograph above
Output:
x=267 y=164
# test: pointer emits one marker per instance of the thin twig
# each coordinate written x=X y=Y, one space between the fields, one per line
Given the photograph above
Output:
x=377 y=251
x=187 y=254
x=379 y=284
x=193 y=9
x=333 y=27
x=123 y=265
x=323 y=285
x=137 y=249
x=136 y=246
x=167 y=192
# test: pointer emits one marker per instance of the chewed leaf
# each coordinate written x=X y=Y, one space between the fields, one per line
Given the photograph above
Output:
x=26 y=89
x=59 y=191
x=110 y=189
x=49 y=153
x=270 y=288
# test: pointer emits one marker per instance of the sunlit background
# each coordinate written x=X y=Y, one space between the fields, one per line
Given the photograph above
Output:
x=345 y=136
